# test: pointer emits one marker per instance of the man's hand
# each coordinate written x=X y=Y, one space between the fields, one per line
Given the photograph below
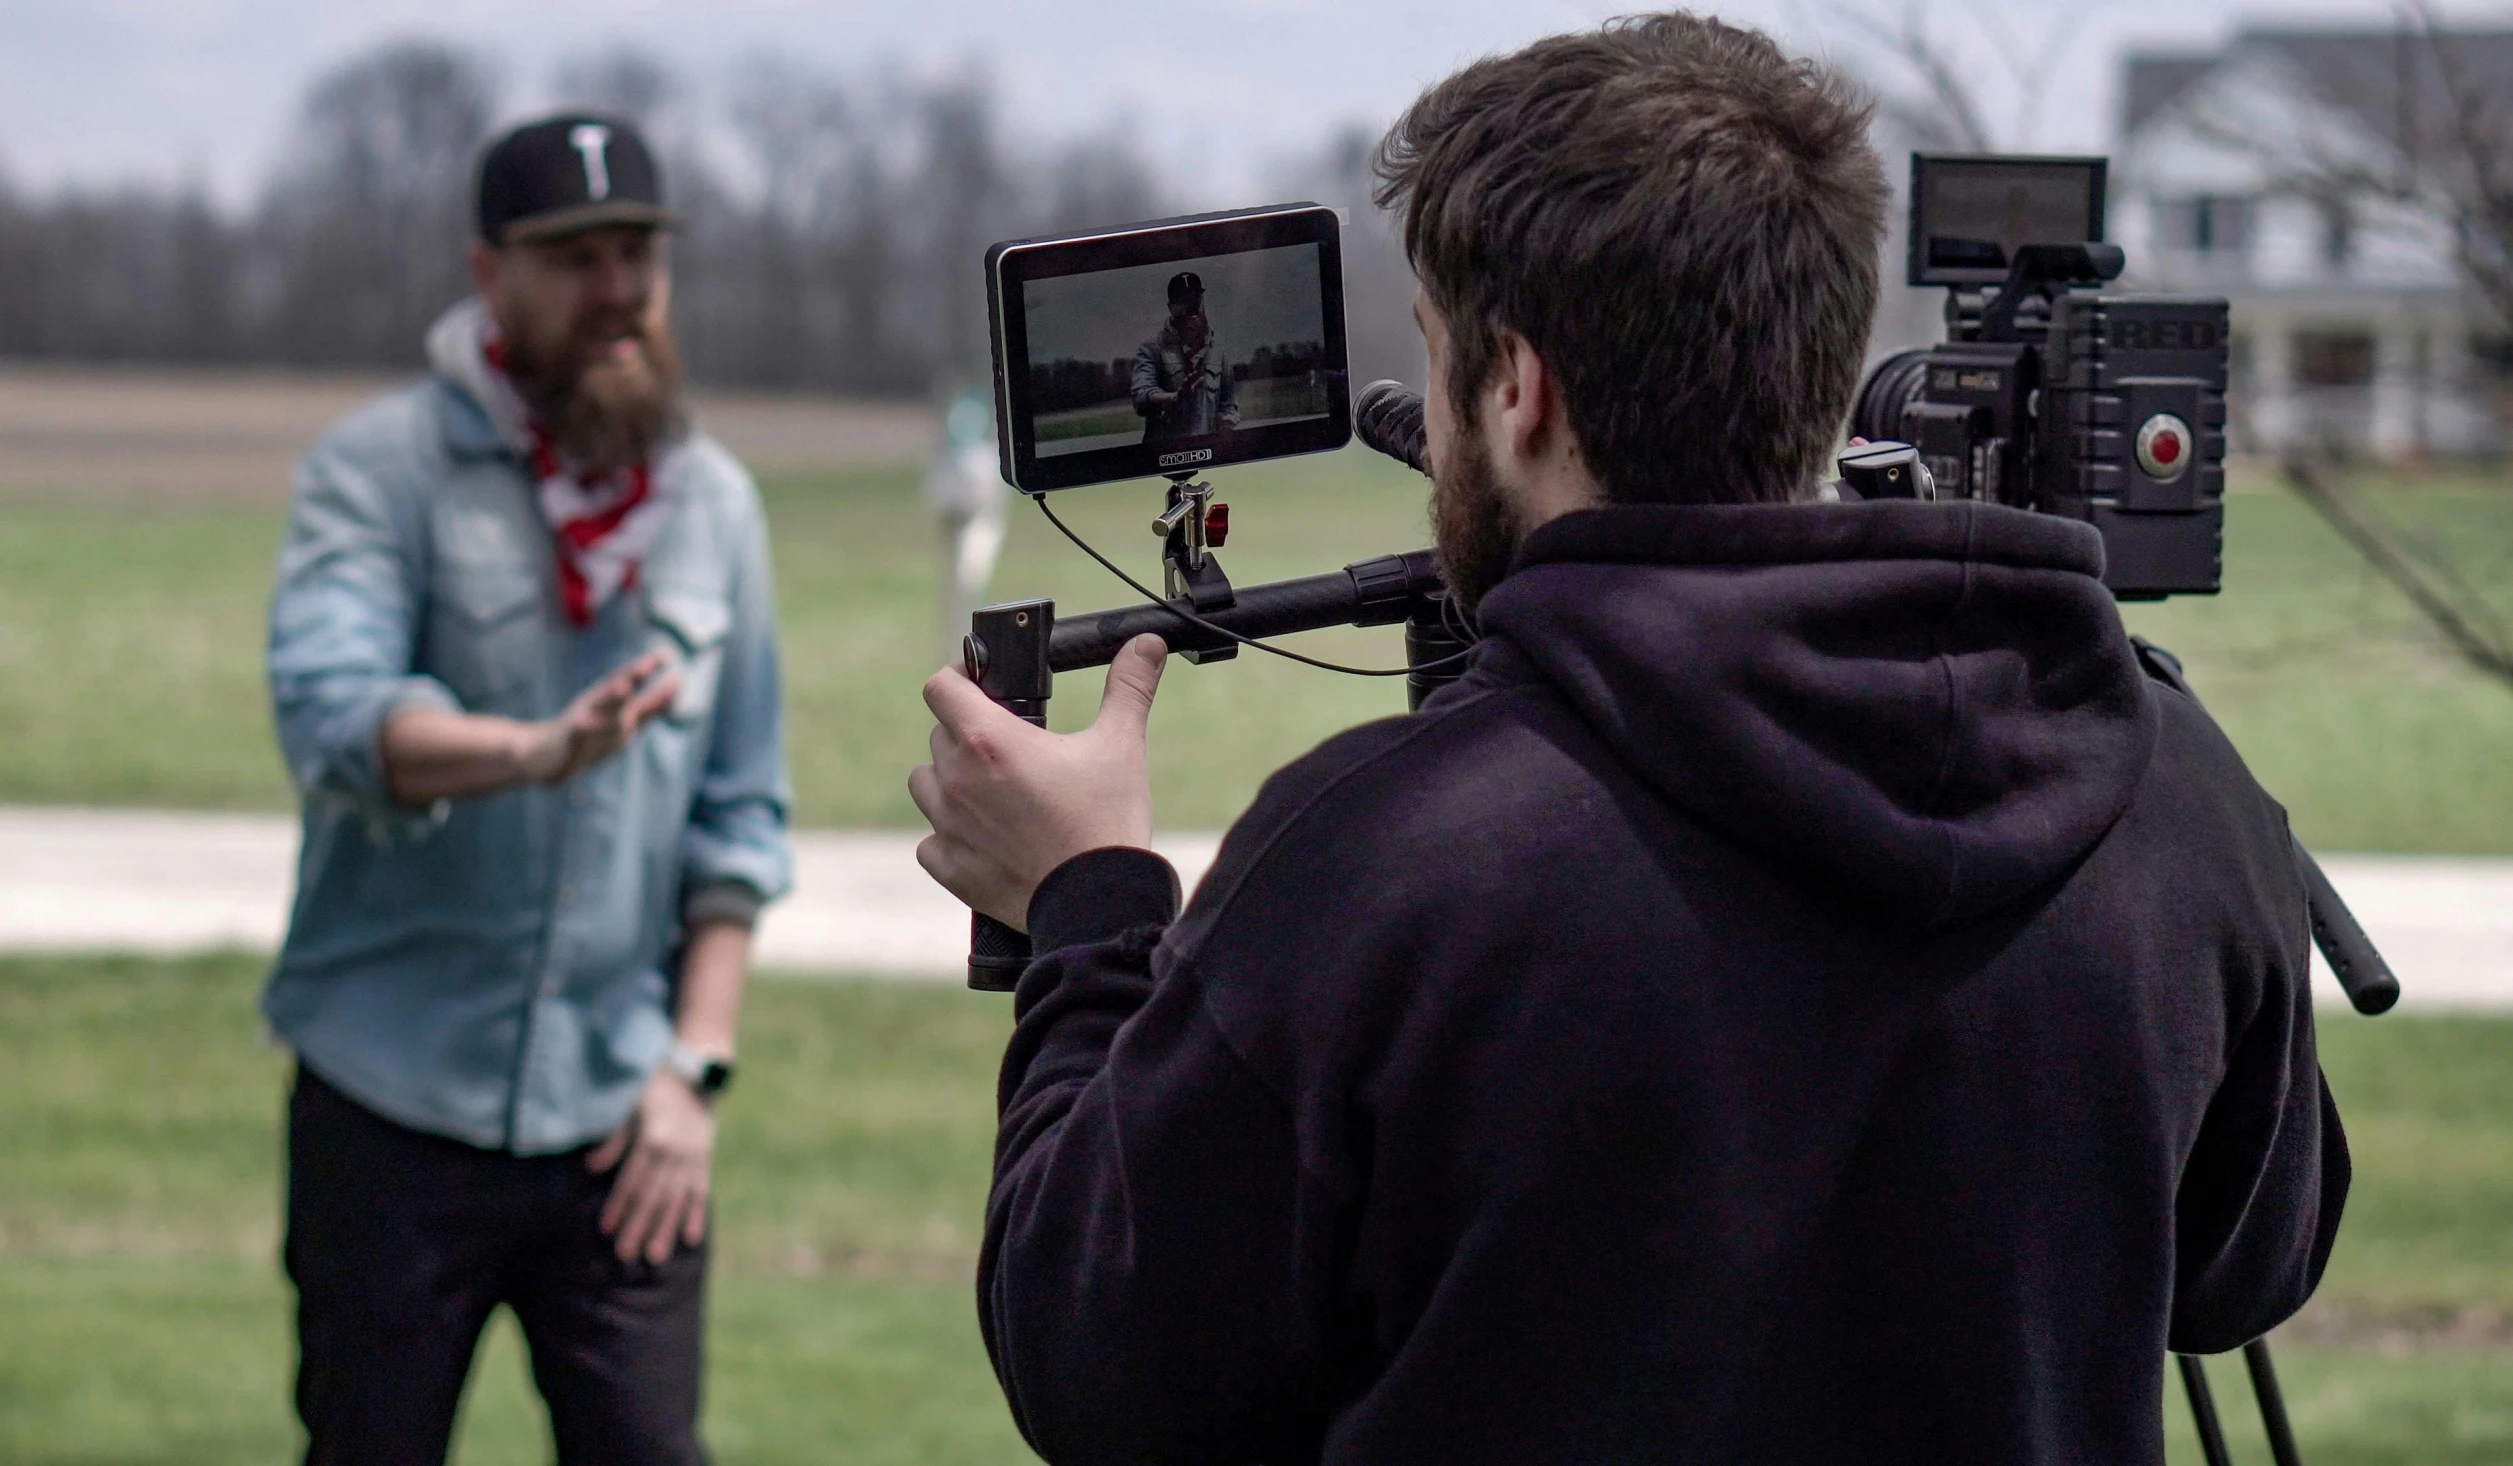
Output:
x=432 y=753
x=660 y=1198
x=1009 y=802
x=600 y=722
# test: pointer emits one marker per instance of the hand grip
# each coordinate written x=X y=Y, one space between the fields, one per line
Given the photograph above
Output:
x=2360 y=969
x=997 y=954
x=1005 y=654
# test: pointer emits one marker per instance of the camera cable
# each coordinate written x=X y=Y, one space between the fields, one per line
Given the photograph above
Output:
x=1451 y=617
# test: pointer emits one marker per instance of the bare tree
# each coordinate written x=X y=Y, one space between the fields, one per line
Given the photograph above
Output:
x=2424 y=136
x=1381 y=337
x=844 y=256
x=369 y=215
x=806 y=139
x=621 y=81
x=2420 y=128
x=964 y=181
x=1098 y=182
x=2432 y=583
x=2471 y=186
x=1931 y=91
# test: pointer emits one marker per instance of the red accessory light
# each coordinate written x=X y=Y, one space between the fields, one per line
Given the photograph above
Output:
x=2167 y=447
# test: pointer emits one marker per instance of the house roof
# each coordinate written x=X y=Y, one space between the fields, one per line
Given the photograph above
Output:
x=2154 y=81
x=2357 y=68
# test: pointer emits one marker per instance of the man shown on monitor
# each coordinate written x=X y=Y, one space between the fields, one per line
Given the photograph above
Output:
x=1182 y=384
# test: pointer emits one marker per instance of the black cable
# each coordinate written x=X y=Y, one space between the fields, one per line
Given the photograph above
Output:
x=1189 y=616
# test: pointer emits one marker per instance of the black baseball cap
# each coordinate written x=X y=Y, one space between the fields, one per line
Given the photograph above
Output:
x=567 y=174
x=1184 y=284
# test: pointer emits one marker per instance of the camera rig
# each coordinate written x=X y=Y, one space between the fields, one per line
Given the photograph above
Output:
x=2049 y=394
x=1014 y=649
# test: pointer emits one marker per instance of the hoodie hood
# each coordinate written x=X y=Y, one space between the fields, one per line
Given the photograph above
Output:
x=458 y=354
x=1932 y=705
x=484 y=412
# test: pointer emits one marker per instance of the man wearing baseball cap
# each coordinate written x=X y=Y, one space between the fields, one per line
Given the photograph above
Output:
x=523 y=663
x=1182 y=383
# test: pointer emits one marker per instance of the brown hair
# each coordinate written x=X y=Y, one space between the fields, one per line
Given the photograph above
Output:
x=1681 y=220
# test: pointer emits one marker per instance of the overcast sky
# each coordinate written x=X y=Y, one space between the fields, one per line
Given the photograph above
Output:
x=1218 y=92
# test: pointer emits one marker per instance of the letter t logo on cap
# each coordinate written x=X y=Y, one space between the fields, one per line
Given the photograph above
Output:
x=592 y=139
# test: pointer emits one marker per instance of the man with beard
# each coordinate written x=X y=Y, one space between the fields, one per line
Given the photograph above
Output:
x=523 y=662
x=1182 y=384
x=1804 y=995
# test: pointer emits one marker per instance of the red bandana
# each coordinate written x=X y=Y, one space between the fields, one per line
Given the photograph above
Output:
x=602 y=527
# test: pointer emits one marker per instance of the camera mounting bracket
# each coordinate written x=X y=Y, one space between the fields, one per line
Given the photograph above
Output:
x=1189 y=525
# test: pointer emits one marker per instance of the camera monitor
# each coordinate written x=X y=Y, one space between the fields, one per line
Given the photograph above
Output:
x=1168 y=347
x=1968 y=214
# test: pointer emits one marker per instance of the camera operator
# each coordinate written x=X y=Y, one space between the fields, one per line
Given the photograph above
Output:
x=1803 y=996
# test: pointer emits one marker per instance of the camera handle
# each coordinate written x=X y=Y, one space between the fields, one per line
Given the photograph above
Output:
x=1014 y=650
x=2358 y=965
x=1006 y=653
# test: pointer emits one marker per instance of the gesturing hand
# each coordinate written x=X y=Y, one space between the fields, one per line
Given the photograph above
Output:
x=1010 y=802
x=660 y=1198
x=601 y=721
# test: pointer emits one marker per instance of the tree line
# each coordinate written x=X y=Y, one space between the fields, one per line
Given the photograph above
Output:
x=1068 y=382
x=836 y=229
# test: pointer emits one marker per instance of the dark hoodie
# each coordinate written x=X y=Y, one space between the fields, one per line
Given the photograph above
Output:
x=1803 y=997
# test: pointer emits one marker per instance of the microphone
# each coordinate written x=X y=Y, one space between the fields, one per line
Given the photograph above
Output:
x=1389 y=418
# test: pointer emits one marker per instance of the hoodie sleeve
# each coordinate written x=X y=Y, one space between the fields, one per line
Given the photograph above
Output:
x=2262 y=1190
x=1146 y=1283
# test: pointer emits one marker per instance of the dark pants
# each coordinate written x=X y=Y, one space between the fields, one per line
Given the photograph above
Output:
x=401 y=1244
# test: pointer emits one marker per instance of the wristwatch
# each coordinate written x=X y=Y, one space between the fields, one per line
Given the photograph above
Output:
x=705 y=1073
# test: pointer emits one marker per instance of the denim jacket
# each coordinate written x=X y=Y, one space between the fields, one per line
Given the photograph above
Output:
x=500 y=969
x=1208 y=396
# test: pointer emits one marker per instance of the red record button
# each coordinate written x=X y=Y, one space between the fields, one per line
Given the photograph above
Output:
x=2164 y=446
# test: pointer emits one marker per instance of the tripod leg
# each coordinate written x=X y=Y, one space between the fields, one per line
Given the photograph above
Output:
x=2272 y=1404
x=2194 y=1379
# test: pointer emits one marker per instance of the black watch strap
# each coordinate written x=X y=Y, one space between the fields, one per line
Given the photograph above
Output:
x=707 y=1075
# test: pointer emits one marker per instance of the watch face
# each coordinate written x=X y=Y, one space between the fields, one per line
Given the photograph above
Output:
x=714 y=1077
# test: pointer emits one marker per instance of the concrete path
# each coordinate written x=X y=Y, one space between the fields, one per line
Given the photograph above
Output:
x=93 y=880
x=142 y=881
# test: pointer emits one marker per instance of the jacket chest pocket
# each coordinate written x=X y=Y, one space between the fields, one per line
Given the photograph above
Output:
x=692 y=624
x=487 y=637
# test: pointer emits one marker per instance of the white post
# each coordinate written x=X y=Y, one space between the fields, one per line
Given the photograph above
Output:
x=964 y=486
x=2398 y=386
x=2272 y=424
x=2459 y=423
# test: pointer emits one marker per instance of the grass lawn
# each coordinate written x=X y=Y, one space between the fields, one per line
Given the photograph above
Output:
x=1088 y=422
x=146 y=1321
x=130 y=642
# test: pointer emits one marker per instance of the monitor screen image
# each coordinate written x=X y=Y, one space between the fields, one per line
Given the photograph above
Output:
x=1169 y=347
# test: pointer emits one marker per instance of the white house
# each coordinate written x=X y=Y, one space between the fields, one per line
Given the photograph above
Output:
x=2351 y=324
